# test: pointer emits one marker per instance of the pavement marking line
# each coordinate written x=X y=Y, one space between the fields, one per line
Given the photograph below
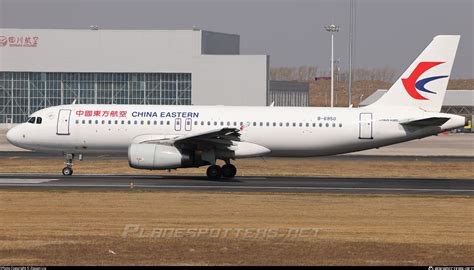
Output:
x=311 y=188
x=244 y=187
x=25 y=180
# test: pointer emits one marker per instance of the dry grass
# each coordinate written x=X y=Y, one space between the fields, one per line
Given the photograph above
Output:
x=271 y=167
x=70 y=227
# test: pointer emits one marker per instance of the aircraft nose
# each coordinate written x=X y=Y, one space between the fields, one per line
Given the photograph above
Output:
x=13 y=136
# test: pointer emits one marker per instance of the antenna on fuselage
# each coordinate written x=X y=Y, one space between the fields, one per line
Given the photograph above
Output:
x=74 y=102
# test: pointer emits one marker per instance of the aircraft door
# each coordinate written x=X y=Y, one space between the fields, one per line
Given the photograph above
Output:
x=64 y=118
x=365 y=126
x=177 y=124
x=188 y=124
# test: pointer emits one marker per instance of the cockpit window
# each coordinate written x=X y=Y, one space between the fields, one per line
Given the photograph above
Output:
x=32 y=120
x=39 y=120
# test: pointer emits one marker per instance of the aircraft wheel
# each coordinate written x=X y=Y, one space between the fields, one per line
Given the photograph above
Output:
x=67 y=171
x=229 y=170
x=214 y=172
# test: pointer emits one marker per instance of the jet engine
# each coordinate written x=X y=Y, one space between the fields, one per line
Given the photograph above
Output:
x=161 y=157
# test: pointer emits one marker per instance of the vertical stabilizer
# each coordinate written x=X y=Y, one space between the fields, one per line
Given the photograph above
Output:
x=423 y=84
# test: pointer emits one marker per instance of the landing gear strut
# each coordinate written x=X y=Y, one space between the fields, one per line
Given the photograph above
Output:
x=67 y=171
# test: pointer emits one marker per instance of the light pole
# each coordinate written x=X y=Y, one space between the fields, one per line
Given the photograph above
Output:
x=332 y=29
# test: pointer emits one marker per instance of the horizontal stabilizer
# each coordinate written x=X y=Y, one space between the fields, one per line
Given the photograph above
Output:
x=426 y=122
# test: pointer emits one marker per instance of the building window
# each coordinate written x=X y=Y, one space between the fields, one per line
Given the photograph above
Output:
x=49 y=89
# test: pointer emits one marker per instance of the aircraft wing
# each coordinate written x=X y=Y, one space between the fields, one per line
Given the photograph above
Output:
x=426 y=122
x=219 y=138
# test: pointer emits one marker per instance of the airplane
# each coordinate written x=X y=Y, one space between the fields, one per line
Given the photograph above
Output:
x=164 y=137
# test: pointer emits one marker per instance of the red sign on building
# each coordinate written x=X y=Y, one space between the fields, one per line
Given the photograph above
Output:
x=18 y=41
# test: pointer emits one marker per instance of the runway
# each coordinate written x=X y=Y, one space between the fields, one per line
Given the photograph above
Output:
x=239 y=184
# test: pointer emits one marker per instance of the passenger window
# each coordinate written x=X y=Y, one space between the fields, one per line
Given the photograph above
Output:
x=307 y=124
x=287 y=124
x=281 y=124
x=320 y=124
x=340 y=125
x=261 y=124
x=333 y=124
x=155 y=122
x=327 y=124
x=32 y=120
x=110 y=122
x=96 y=122
x=168 y=123
x=222 y=123
x=208 y=123
x=90 y=122
x=274 y=124
x=123 y=122
x=235 y=123
x=103 y=122
x=83 y=122
x=142 y=122
x=314 y=124
x=77 y=121
x=116 y=122
x=301 y=124
x=161 y=122
x=195 y=123
x=202 y=123
x=294 y=124
x=135 y=122
x=129 y=122
x=215 y=123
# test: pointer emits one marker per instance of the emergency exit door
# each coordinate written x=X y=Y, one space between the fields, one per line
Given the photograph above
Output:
x=365 y=126
x=64 y=117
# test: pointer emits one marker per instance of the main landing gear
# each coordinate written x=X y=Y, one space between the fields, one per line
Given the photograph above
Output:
x=216 y=172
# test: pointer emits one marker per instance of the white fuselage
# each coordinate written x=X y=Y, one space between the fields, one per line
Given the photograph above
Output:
x=284 y=131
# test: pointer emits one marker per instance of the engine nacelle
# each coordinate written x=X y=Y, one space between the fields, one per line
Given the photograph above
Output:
x=160 y=157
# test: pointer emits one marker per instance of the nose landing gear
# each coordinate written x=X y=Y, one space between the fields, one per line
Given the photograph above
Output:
x=67 y=171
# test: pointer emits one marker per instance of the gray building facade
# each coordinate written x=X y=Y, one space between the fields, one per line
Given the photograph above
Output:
x=43 y=67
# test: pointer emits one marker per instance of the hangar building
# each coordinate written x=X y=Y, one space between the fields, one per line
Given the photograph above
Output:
x=288 y=93
x=47 y=67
